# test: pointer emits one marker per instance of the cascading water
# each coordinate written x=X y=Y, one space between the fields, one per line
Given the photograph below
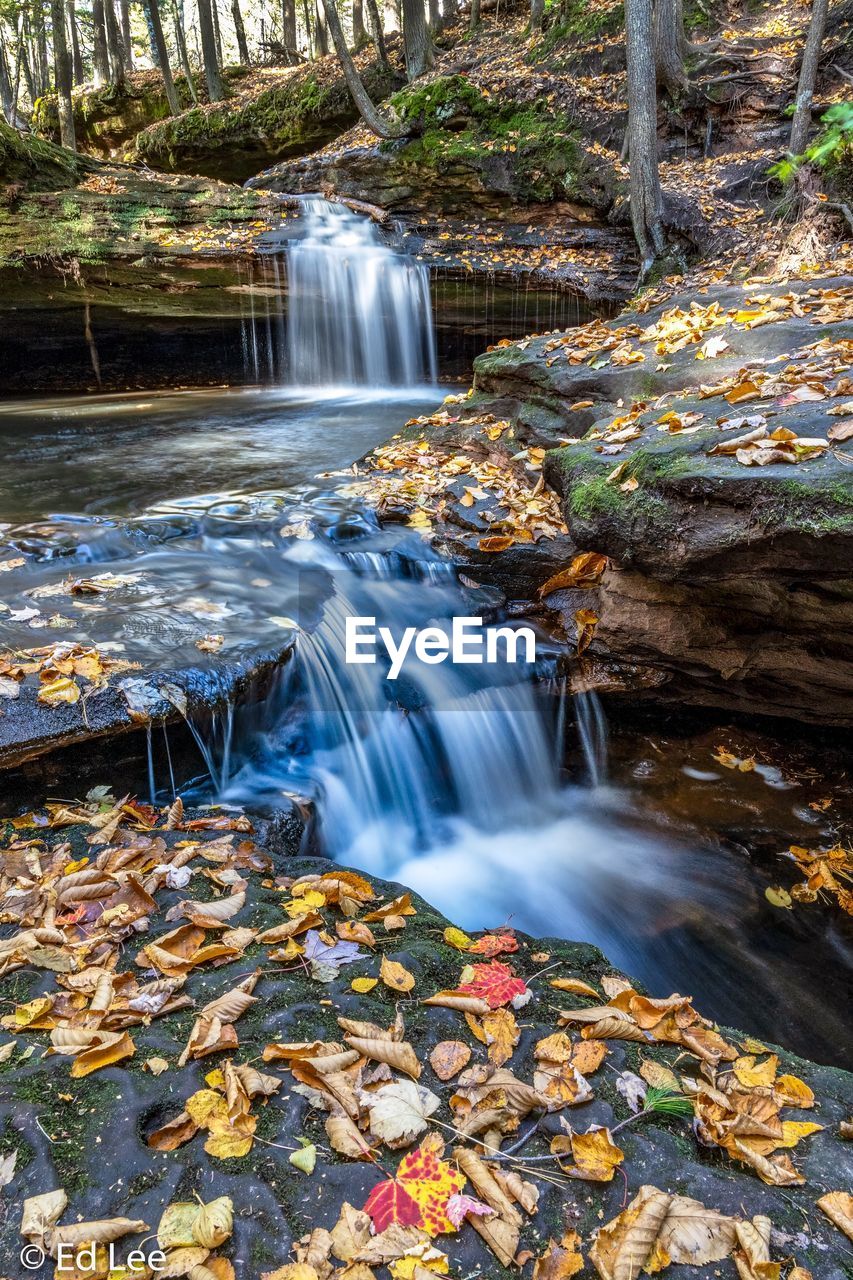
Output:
x=357 y=313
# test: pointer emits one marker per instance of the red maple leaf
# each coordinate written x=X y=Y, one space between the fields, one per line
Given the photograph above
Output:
x=390 y=1202
x=493 y=944
x=495 y=983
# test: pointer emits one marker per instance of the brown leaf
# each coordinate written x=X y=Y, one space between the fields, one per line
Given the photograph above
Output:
x=584 y=571
x=448 y=1058
x=624 y=1244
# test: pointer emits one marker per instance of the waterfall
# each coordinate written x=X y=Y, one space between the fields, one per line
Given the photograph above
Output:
x=357 y=313
x=390 y=764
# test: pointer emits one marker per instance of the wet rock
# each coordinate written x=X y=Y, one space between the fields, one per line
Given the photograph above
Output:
x=29 y=728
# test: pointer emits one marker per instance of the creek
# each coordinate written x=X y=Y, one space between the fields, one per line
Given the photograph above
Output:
x=489 y=789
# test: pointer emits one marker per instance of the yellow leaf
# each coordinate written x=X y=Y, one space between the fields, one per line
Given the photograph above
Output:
x=363 y=985
x=753 y=1074
x=58 y=691
x=576 y=986
x=838 y=1207
x=456 y=938
x=395 y=976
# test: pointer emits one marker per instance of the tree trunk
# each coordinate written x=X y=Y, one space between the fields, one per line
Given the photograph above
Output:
x=670 y=44
x=212 y=75
x=126 y=39
x=62 y=76
x=434 y=16
x=117 y=55
x=181 y=46
x=42 y=75
x=321 y=35
x=358 y=32
x=23 y=53
x=100 y=56
x=377 y=34
x=160 y=54
x=646 y=201
x=217 y=31
x=240 y=33
x=288 y=25
x=808 y=76
x=475 y=15
x=537 y=14
x=376 y=121
x=77 y=73
x=7 y=93
x=416 y=40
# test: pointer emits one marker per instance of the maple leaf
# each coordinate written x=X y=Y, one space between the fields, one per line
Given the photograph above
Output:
x=495 y=983
x=459 y=1206
x=420 y=1194
x=390 y=1202
x=494 y=944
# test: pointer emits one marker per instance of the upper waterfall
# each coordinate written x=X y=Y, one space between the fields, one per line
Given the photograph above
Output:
x=358 y=314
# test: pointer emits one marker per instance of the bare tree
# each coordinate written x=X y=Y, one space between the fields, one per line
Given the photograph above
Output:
x=670 y=43
x=210 y=58
x=377 y=33
x=181 y=46
x=537 y=14
x=416 y=39
x=160 y=54
x=475 y=15
x=379 y=123
x=126 y=38
x=115 y=45
x=646 y=200
x=240 y=33
x=808 y=76
x=62 y=76
x=288 y=25
x=359 y=35
x=321 y=34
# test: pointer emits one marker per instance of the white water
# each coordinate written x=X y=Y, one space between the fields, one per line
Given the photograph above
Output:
x=357 y=313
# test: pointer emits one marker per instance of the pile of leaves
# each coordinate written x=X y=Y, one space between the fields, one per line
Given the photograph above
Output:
x=423 y=477
x=827 y=872
x=448 y=1155
x=66 y=672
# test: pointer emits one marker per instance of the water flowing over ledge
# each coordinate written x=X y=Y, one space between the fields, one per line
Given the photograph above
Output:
x=358 y=314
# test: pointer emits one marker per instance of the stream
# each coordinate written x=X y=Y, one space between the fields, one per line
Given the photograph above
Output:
x=488 y=789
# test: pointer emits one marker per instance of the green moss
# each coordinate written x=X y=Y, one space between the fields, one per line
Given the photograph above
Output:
x=578 y=21
x=39 y=165
x=455 y=124
x=283 y=119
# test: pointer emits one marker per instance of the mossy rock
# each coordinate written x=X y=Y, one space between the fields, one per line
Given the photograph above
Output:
x=231 y=140
x=34 y=164
x=109 y=117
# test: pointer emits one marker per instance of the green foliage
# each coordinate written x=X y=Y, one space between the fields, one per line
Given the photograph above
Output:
x=832 y=146
x=664 y=1102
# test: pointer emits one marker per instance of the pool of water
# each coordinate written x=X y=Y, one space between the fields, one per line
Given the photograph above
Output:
x=120 y=455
